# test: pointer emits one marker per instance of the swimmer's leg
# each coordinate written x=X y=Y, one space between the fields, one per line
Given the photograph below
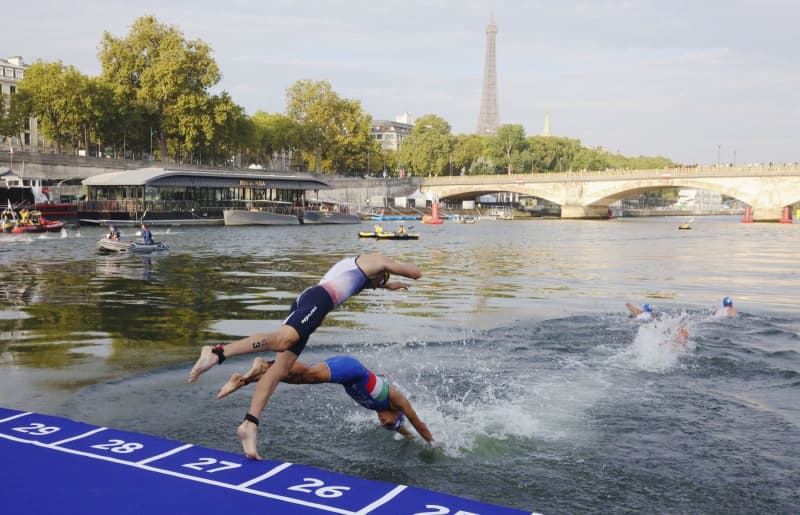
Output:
x=236 y=381
x=206 y=360
x=248 y=434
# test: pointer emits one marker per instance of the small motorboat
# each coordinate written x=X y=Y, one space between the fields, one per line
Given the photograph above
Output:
x=33 y=221
x=107 y=245
x=684 y=226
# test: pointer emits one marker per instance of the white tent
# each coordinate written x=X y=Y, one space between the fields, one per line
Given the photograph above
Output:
x=418 y=195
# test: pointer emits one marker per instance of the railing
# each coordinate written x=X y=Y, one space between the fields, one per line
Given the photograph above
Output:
x=604 y=175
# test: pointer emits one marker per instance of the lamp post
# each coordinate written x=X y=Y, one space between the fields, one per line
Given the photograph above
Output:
x=150 y=157
x=719 y=149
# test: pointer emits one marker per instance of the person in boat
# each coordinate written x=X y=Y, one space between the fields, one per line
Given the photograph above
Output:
x=643 y=313
x=24 y=216
x=402 y=229
x=346 y=278
x=727 y=308
x=378 y=228
x=369 y=390
x=113 y=233
x=8 y=220
x=147 y=236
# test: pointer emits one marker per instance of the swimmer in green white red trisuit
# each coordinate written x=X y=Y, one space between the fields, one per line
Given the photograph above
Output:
x=369 y=390
x=346 y=278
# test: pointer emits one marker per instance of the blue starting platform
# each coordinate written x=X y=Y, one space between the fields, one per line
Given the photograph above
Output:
x=54 y=465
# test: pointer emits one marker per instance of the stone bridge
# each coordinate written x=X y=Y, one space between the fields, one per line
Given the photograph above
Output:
x=767 y=189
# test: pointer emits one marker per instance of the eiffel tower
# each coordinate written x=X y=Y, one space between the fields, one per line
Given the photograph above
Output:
x=489 y=118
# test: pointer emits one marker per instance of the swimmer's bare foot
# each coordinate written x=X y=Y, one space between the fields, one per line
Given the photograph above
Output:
x=233 y=384
x=258 y=368
x=248 y=433
x=206 y=360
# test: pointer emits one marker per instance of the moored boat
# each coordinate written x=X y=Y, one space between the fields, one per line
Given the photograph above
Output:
x=329 y=213
x=257 y=217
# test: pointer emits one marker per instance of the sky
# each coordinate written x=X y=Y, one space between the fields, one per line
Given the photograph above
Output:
x=693 y=81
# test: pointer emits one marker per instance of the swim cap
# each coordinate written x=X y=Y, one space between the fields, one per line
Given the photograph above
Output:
x=647 y=308
x=727 y=302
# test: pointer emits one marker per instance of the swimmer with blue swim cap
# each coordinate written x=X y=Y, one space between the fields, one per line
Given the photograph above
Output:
x=728 y=309
x=643 y=313
x=371 y=391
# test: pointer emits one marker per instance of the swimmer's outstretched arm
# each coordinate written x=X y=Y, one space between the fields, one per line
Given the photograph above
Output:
x=399 y=401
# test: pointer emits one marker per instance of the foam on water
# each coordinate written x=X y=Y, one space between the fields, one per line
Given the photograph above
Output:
x=657 y=345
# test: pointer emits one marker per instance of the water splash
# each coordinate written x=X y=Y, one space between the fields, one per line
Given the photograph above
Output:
x=658 y=345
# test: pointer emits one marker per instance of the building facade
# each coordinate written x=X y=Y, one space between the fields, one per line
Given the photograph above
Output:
x=390 y=134
x=12 y=70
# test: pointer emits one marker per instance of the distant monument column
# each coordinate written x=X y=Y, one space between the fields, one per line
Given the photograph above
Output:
x=546 y=131
x=489 y=118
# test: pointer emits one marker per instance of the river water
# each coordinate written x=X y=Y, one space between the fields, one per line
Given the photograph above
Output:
x=514 y=347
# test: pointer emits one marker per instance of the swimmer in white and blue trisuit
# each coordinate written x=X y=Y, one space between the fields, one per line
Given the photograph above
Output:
x=365 y=387
x=645 y=313
x=346 y=278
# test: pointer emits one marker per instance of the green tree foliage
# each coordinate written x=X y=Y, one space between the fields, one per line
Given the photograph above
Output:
x=638 y=163
x=467 y=149
x=272 y=133
x=15 y=110
x=482 y=166
x=509 y=149
x=552 y=154
x=56 y=94
x=588 y=159
x=155 y=67
x=427 y=150
x=334 y=131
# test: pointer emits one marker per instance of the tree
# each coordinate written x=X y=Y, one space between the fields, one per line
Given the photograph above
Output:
x=510 y=149
x=427 y=150
x=56 y=94
x=467 y=149
x=272 y=133
x=334 y=131
x=553 y=154
x=15 y=110
x=157 y=68
x=589 y=159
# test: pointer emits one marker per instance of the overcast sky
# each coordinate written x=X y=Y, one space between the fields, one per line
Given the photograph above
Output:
x=687 y=80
